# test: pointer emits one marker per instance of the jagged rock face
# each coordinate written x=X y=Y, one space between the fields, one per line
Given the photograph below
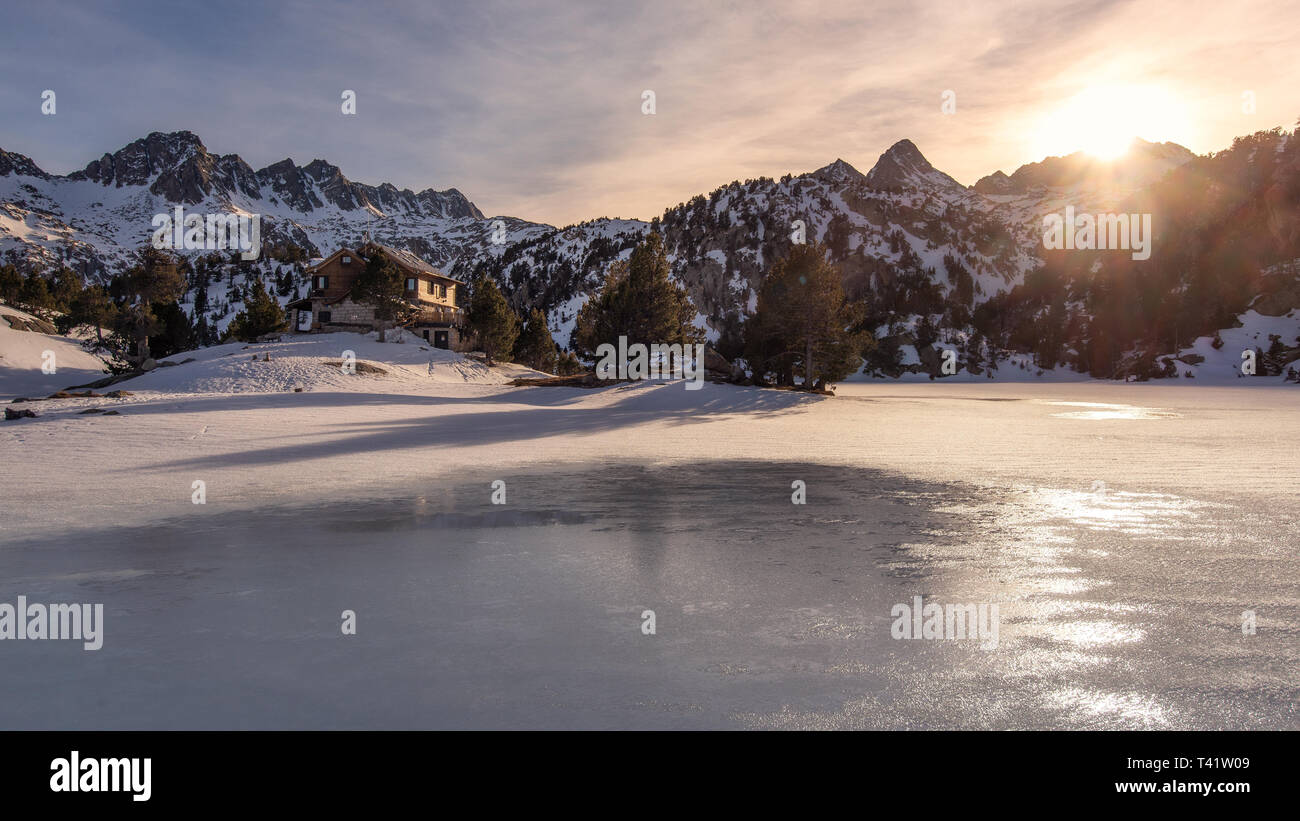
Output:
x=179 y=168
x=18 y=165
x=313 y=206
x=838 y=173
x=903 y=166
x=995 y=183
x=292 y=185
x=175 y=166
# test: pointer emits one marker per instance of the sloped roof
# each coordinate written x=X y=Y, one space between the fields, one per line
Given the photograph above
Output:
x=404 y=259
x=410 y=261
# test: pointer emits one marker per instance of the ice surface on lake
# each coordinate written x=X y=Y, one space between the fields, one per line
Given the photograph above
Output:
x=1121 y=547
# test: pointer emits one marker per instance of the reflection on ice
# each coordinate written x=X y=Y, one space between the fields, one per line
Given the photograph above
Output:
x=768 y=614
x=1133 y=708
x=1094 y=632
x=1102 y=410
x=1118 y=511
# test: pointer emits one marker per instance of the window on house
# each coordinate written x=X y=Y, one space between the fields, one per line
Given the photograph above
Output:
x=442 y=291
x=346 y=260
x=320 y=283
x=325 y=316
x=431 y=287
x=410 y=283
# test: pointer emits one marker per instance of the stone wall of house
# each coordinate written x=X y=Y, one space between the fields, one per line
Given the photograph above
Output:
x=346 y=312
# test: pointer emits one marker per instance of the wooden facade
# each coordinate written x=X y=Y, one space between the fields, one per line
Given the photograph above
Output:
x=329 y=306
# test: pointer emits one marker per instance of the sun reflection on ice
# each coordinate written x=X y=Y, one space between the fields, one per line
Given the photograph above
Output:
x=1102 y=410
x=1131 y=707
x=1127 y=512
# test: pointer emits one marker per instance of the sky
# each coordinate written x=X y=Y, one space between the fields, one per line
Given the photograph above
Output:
x=537 y=109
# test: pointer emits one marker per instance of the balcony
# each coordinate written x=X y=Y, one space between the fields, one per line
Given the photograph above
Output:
x=440 y=315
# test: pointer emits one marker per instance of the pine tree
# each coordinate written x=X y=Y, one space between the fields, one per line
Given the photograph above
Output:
x=11 y=283
x=176 y=333
x=65 y=288
x=804 y=320
x=261 y=315
x=639 y=300
x=490 y=317
x=93 y=308
x=201 y=293
x=535 y=346
x=382 y=285
x=567 y=364
x=152 y=280
x=35 y=293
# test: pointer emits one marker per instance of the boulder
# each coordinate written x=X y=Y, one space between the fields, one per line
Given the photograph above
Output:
x=34 y=325
x=11 y=413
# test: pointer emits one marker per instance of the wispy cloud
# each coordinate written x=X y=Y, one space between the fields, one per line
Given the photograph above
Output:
x=536 y=111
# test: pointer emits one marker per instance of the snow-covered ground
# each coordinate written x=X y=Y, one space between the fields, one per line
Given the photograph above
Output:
x=317 y=362
x=23 y=355
x=1122 y=529
x=1223 y=364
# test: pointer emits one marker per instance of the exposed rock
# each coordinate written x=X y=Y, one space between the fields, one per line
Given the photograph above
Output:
x=714 y=361
x=903 y=166
x=11 y=413
x=86 y=394
x=995 y=183
x=362 y=367
x=581 y=380
x=34 y=325
x=109 y=380
x=19 y=165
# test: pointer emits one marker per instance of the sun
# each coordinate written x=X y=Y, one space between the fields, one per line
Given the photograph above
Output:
x=1103 y=120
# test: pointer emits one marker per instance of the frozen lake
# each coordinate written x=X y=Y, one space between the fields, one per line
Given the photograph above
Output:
x=1121 y=530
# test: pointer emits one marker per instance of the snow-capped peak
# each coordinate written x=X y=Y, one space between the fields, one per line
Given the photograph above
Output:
x=838 y=172
x=904 y=166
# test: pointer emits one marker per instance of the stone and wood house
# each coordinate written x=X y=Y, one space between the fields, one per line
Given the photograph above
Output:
x=329 y=306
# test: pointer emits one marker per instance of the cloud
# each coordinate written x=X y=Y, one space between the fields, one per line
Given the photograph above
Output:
x=536 y=111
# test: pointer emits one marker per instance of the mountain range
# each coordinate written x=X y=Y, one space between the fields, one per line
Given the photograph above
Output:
x=925 y=251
